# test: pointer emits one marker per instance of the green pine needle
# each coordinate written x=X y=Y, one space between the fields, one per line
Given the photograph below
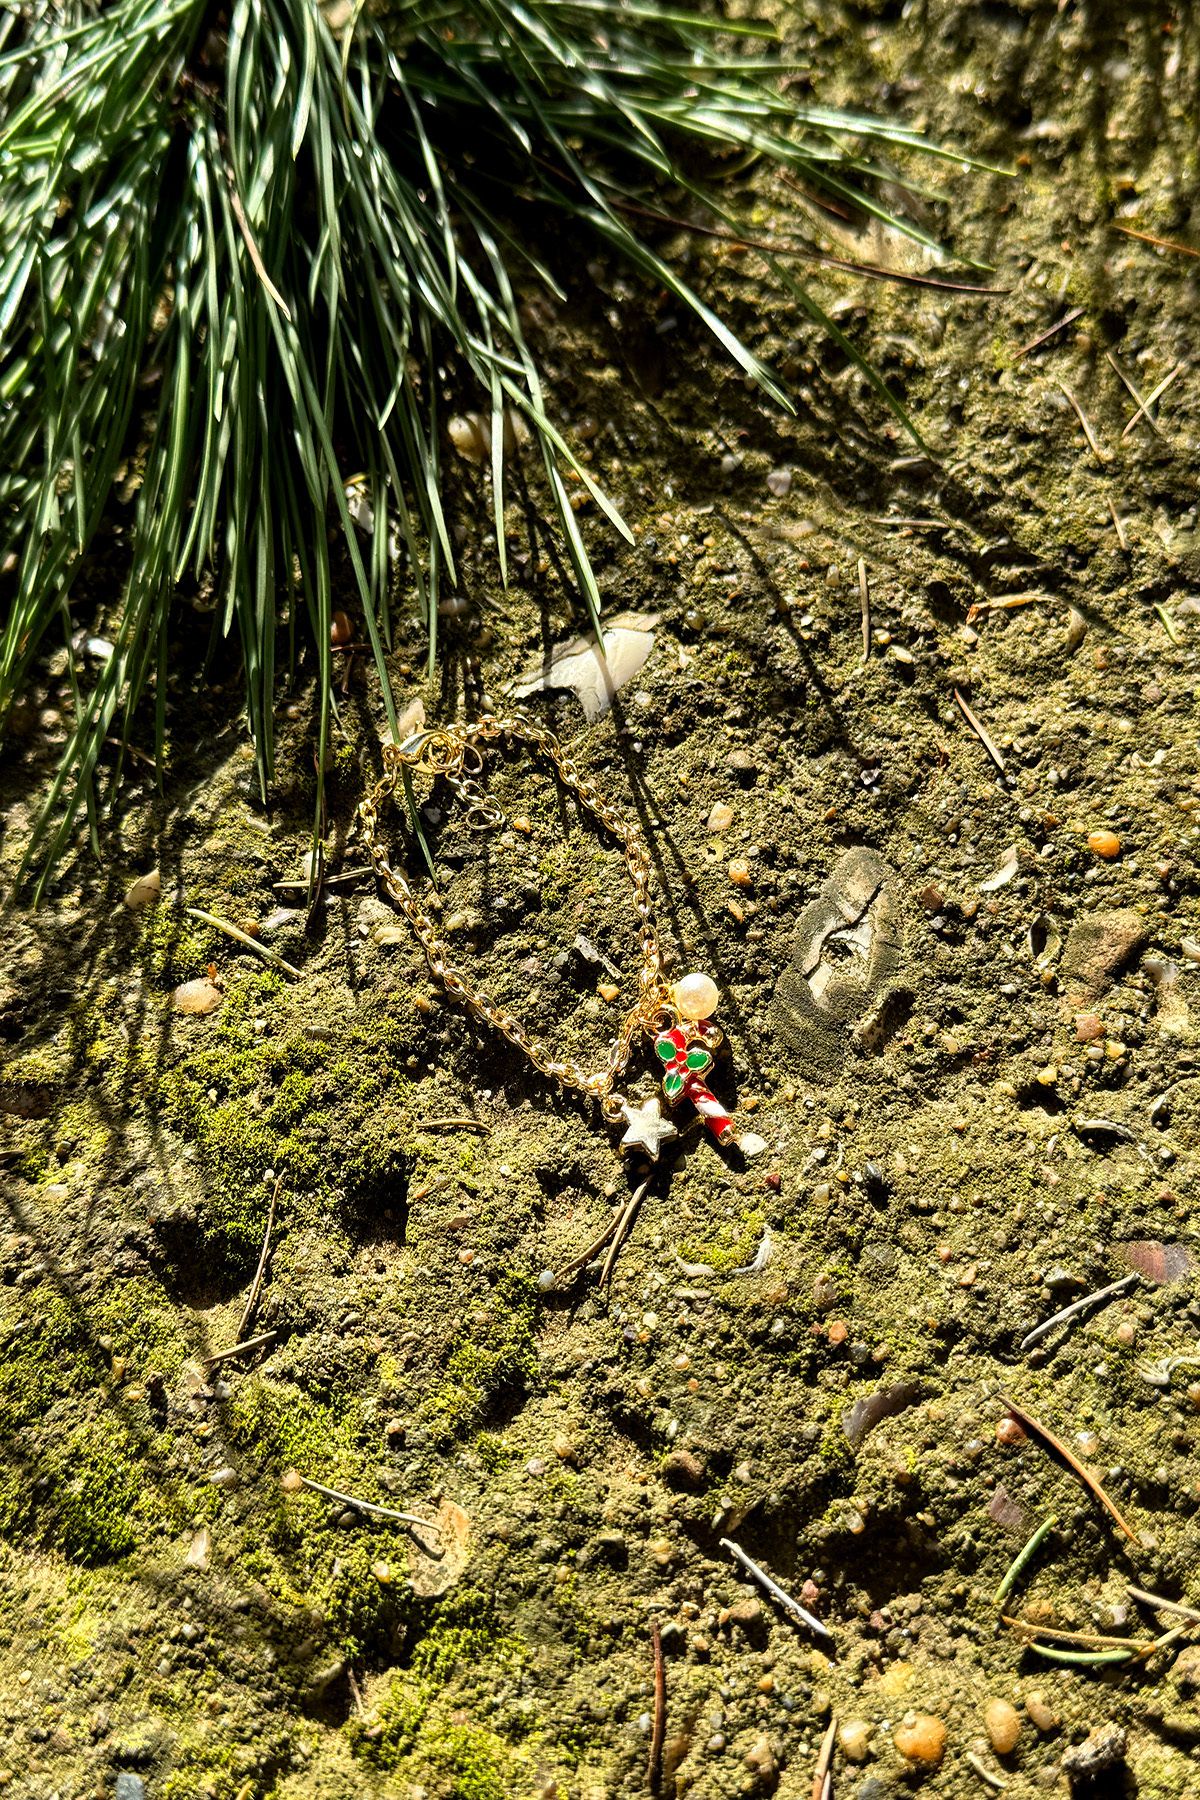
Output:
x=237 y=263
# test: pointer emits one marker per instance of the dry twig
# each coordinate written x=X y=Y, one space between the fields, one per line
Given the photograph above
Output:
x=1077 y=1306
x=822 y=1782
x=1085 y=1475
x=243 y=937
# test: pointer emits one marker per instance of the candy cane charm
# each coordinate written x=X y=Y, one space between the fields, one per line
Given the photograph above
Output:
x=685 y=1051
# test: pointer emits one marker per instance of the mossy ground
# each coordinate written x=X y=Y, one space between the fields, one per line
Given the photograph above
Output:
x=165 y=1604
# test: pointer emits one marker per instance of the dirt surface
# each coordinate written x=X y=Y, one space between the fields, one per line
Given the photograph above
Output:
x=978 y=1081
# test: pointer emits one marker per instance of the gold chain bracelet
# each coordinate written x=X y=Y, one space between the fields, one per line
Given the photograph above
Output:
x=676 y=1015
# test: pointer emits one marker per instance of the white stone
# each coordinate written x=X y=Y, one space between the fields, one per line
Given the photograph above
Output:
x=696 y=996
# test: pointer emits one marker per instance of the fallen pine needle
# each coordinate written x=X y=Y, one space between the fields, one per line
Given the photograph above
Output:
x=254 y=1343
x=1117 y=525
x=1090 y=1640
x=1005 y=603
x=822 y=1781
x=772 y=1587
x=293 y=1479
x=1023 y=1557
x=980 y=732
x=1168 y=624
x=1093 y=443
x=243 y=937
x=1154 y=394
x=457 y=1124
x=1133 y=392
x=985 y=1774
x=1088 y=1479
x=1077 y=1306
x=658 y=1735
x=1160 y=243
x=1090 y=1657
x=624 y=1226
x=1035 y=343
x=252 y=1301
x=864 y=598
x=1171 y=1606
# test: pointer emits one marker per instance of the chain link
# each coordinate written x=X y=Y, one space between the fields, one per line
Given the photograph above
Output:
x=453 y=752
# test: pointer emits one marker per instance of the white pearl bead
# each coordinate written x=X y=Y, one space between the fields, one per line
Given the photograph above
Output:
x=696 y=996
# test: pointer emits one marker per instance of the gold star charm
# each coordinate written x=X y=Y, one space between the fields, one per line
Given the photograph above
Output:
x=648 y=1130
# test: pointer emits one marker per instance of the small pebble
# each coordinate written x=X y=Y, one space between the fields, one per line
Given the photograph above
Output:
x=1009 y=1433
x=340 y=630
x=921 y=1739
x=760 y=1759
x=1003 y=1725
x=202 y=996
x=854 y=1739
x=1104 y=843
x=608 y=990
x=144 y=891
x=739 y=872
x=1041 y=1712
x=721 y=817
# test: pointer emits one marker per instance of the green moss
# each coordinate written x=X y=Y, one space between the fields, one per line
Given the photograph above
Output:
x=97 y=1487
x=361 y=1613
x=733 y=1246
x=286 y=1427
x=493 y=1452
x=141 y=1325
x=464 y=1637
x=251 y=1098
x=490 y=1362
x=477 y=1762
x=174 y=947
x=386 y=1740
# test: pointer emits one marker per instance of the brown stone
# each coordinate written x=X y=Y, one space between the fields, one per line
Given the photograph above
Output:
x=683 y=1469
x=760 y=1759
x=1098 y=947
x=921 y=1740
x=1003 y=1725
x=748 y=1617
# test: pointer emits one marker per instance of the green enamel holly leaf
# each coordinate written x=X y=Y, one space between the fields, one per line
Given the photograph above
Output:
x=666 y=1049
x=699 y=1059
x=672 y=1085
